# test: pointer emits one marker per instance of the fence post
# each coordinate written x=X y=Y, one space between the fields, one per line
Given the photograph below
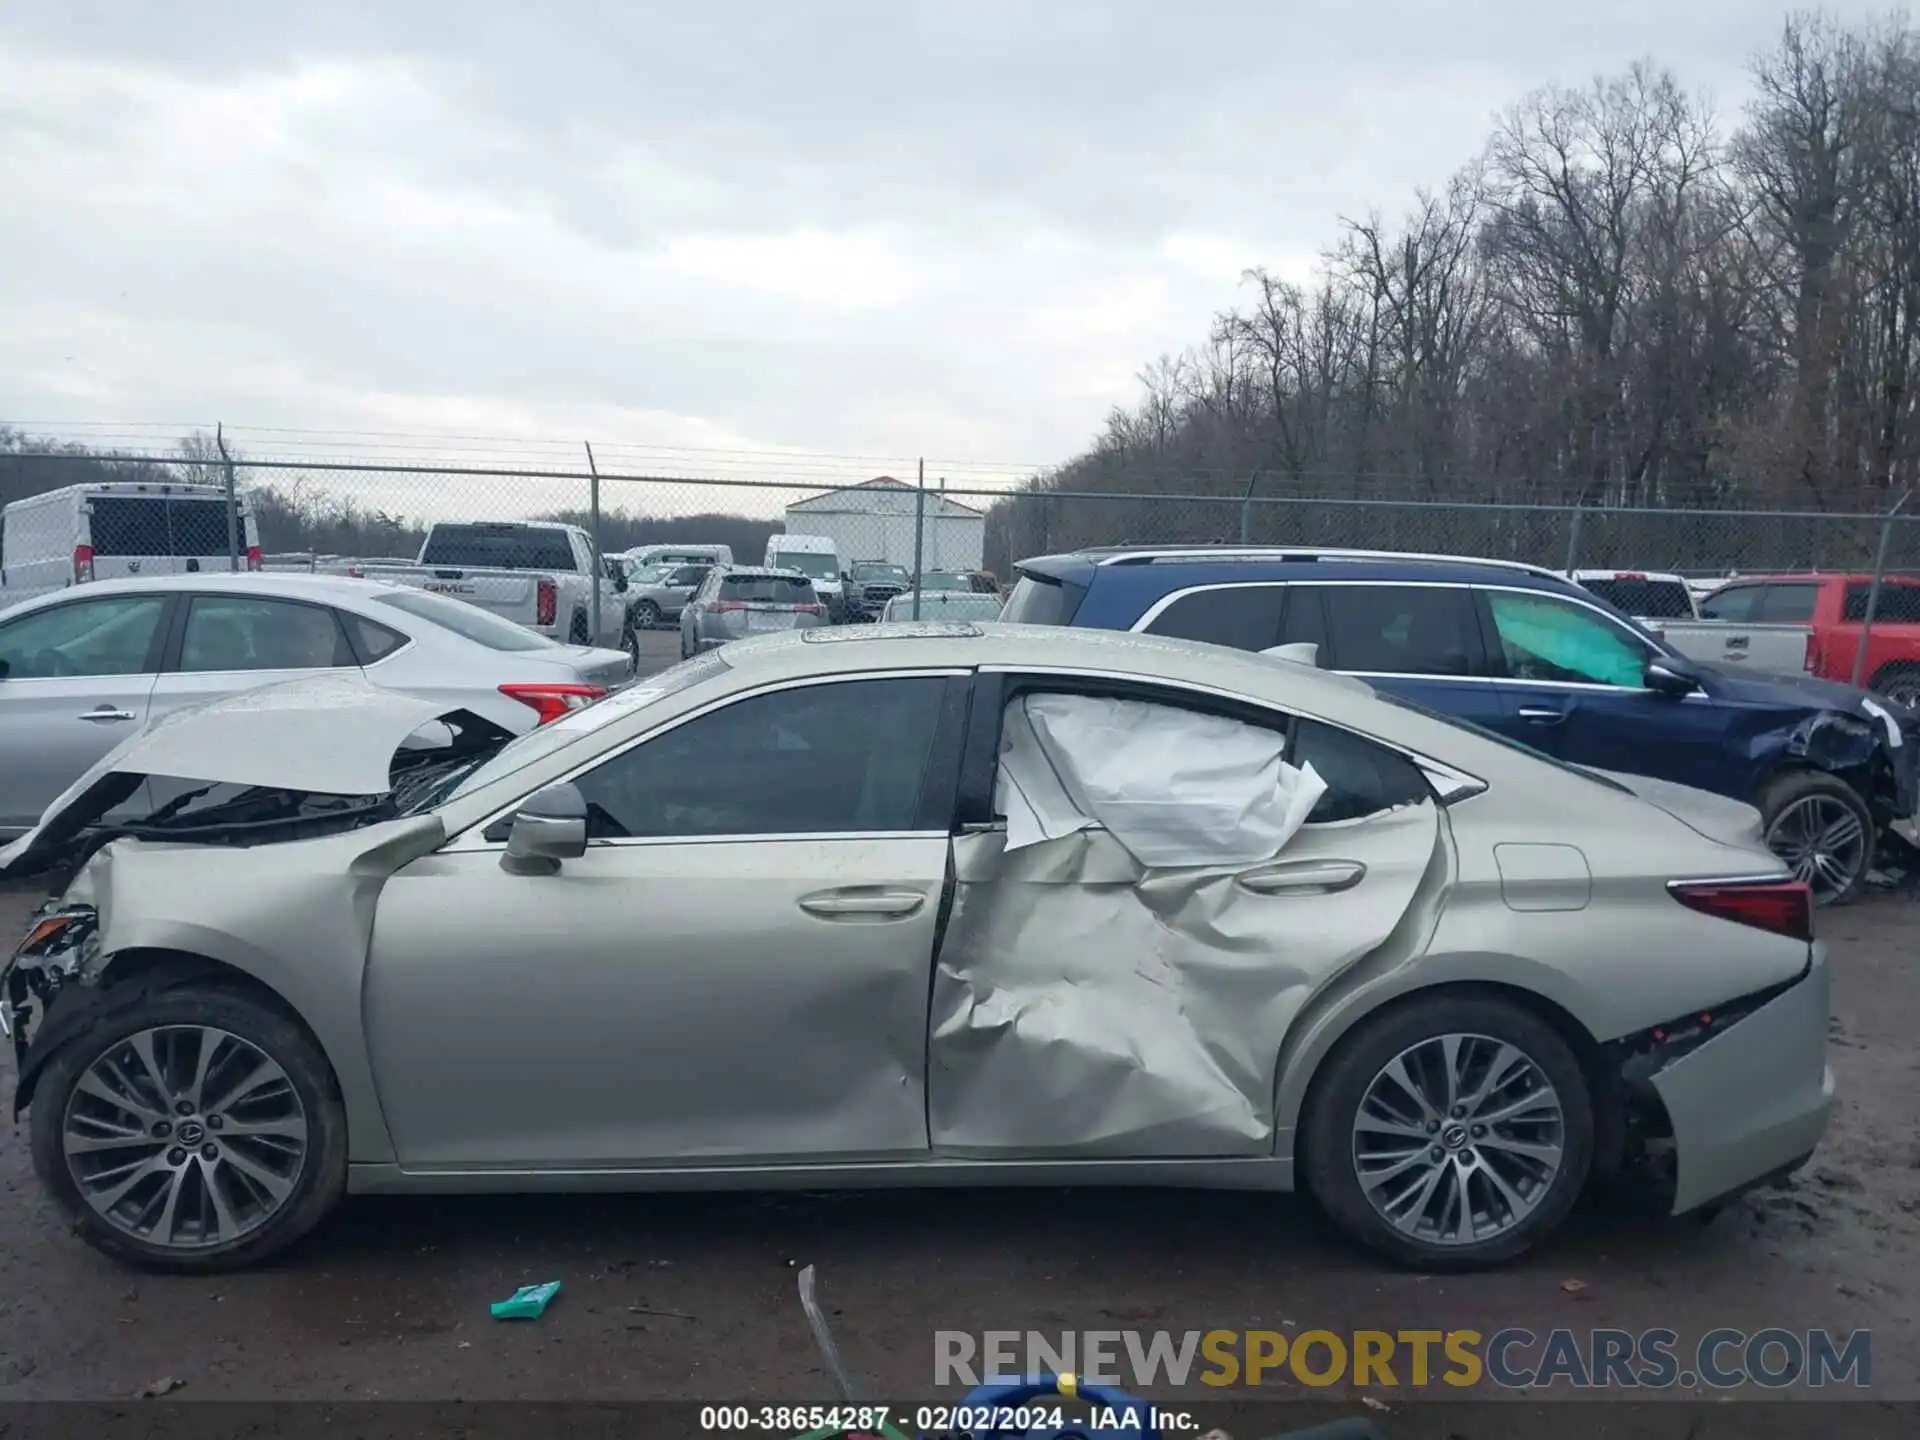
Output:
x=593 y=539
x=1246 y=510
x=919 y=532
x=1873 y=591
x=1573 y=539
x=233 y=499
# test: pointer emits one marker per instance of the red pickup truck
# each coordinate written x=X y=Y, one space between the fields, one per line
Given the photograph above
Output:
x=1810 y=624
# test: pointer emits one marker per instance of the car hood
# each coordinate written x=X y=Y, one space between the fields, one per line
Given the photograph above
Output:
x=332 y=734
x=1752 y=689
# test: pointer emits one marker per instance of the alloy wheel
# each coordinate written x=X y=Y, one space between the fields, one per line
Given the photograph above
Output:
x=185 y=1136
x=1458 y=1139
x=1822 y=840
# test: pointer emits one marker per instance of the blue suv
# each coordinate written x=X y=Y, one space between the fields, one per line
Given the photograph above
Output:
x=1518 y=650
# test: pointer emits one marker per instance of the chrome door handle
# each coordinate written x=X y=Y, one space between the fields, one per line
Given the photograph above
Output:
x=1542 y=717
x=104 y=713
x=1318 y=877
x=875 y=902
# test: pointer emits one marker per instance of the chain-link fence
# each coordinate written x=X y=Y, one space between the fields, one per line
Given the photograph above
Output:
x=72 y=517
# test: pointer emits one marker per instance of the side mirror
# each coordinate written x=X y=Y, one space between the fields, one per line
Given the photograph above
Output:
x=1671 y=677
x=550 y=827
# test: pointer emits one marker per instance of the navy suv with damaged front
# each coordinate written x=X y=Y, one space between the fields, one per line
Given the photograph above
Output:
x=1517 y=650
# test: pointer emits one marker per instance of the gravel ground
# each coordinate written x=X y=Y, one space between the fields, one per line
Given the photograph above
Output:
x=692 y=1296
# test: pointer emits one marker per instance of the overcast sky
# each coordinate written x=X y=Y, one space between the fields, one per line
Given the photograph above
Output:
x=868 y=227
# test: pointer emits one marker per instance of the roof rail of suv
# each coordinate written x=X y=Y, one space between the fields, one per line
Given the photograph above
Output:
x=1153 y=555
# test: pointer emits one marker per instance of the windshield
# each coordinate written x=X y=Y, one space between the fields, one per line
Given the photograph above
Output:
x=503 y=547
x=650 y=574
x=945 y=580
x=767 y=589
x=880 y=574
x=1038 y=600
x=578 y=724
x=470 y=621
x=815 y=564
x=1644 y=598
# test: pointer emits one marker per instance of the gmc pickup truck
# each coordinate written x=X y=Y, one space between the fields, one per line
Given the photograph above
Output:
x=1810 y=624
x=535 y=573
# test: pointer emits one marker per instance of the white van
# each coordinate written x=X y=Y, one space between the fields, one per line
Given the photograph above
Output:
x=114 y=529
x=815 y=557
x=677 y=555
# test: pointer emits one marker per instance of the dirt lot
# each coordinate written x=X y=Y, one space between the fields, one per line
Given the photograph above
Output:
x=693 y=1296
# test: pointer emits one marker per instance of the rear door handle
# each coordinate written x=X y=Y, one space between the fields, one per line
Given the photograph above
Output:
x=1306 y=877
x=870 y=902
x=1541 y=716
x=103 y=714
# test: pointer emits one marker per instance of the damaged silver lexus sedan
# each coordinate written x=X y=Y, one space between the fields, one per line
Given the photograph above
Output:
x=937 y=904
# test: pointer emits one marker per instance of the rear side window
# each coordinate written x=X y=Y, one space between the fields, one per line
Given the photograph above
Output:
x=504 y=547
x=767 y=589
x=1245 y=617
x=1647 y=599
x=1736 y=602
x=1787 y=604
x=1041 y=600
x=1402 y=630
x=371 y=640
x=234 y=632
x=1362 y=778
x=1898 y=604
x=158 y=525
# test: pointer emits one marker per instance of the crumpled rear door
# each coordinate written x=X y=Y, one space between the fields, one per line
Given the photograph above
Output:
x=1088 y=1005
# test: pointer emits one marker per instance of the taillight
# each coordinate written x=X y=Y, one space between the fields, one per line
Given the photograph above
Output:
x=724 y=605
x=813 y=609
x=82 y=564
x=553 y=701
x=253 y=557
x=1784 y=907
x=1812 y=665
x=546 y=603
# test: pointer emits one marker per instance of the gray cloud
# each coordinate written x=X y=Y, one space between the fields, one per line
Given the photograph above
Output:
x=864 y=225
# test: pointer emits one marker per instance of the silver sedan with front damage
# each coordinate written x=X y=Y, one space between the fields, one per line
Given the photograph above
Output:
x=942 y=904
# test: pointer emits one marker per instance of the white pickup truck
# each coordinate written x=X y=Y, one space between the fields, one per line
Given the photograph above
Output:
x=536 y=573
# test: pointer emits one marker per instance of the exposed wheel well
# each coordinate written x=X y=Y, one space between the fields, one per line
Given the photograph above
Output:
x=1604 y=1090
x=154 y=970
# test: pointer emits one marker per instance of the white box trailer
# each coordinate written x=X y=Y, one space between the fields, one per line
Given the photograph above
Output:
x=874 y=521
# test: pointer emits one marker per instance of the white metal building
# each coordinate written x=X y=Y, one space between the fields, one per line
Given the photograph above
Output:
x=874 y=521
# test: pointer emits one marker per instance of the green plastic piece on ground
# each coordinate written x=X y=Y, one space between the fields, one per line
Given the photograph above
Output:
x=526 y=1303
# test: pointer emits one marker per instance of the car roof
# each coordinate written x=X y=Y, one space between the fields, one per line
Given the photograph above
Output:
x=282 y=584
x=1163 y=569
x=760 y=571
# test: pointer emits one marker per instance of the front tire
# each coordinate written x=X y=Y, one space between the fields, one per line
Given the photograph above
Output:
x=1449 y=1133
x=1821 y=829
x=195 y=1131
x=646 y=615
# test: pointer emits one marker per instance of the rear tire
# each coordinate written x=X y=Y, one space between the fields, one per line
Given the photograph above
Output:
x=1360 y=1163
x=1820 y=827
x=1900 y=682
x=646 y=615
x=222 y=1199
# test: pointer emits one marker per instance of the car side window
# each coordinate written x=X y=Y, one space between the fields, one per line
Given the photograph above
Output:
x=1362 y=778
x=1244 y=617
x=1736 y=602
x=844 y=758
x=372 y=640
x=1402 y=630
x=85 y=638
x=247 y=632
x=1787 y=604
x=1545 y=638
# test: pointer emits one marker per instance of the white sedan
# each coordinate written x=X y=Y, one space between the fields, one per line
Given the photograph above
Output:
x=83 y=668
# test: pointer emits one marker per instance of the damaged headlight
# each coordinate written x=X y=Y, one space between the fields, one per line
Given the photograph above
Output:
x=1886 y=717
x=59 y=940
